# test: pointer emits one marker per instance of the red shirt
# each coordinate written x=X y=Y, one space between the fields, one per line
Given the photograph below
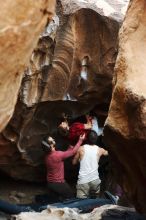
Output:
x=55 y=164
x=75 y=130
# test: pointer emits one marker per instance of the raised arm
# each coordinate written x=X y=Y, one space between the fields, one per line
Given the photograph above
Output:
x=88 y=125
x=72 y=150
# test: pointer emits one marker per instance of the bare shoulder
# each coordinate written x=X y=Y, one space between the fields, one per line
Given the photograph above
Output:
x=102 y=151
x=81 y=148
x=98 y=147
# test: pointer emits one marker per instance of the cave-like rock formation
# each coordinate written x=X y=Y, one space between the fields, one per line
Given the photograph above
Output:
x=71 y=70
x=67 y=79
x=125 y=131
x=21 y=23
x=73 y=66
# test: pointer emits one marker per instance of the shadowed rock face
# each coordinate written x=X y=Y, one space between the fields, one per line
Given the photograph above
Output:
x=125 y=131
x=19 y=20
x=55 y=83
x=59 y=76
x=75 y=41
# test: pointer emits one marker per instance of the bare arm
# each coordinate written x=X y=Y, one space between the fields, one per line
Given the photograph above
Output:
x=76 y=158
x=88 y=125
x=103 y=152
x=72 y=150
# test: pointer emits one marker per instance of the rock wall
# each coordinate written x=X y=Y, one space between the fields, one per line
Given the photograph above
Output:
x=76 y=40
x=125 y=131
x=75 y=64
x=21 y=24
x=56 y=72
x=57 y=77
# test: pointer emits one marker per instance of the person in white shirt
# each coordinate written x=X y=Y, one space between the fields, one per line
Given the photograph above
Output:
x=88 y=155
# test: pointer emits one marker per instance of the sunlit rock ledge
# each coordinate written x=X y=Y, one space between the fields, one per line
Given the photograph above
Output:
x=114 y=9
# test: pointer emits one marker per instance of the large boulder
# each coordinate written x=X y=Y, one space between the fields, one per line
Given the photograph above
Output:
x=20 y=25
x=125 y=130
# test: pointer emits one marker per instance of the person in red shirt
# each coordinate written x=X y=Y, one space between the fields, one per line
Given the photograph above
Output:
x=54 y=161
x=75 y=130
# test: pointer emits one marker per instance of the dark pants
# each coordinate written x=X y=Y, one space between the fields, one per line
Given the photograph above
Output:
x=60 y=190
x=84 y=205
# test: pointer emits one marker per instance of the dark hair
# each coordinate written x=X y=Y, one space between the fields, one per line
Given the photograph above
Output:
x=46 y=146
x=64 y=132
x=92 y=137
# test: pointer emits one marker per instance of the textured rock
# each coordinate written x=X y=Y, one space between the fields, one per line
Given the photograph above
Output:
x=106 y=212
x=37 y=70
x=59 y=77
x=76 y=40
x=21 y=23
x=21 y=155
x=125 y=131
x=65 y=78
x=114 y=9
